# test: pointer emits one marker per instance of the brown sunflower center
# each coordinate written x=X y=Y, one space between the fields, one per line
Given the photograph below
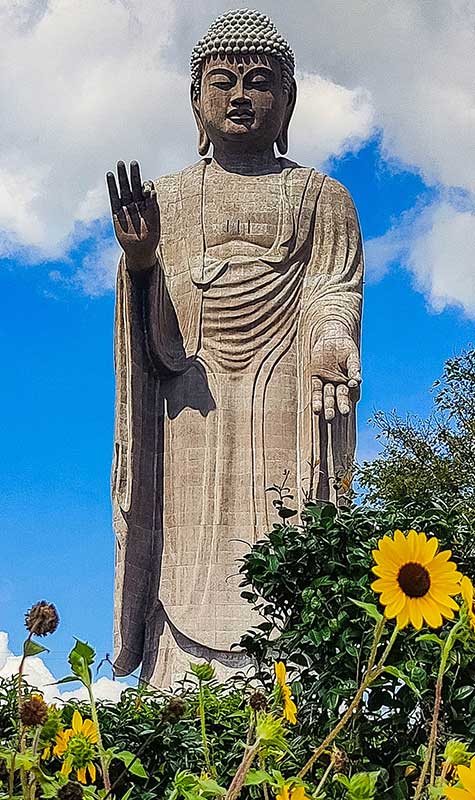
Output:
x=414 y=580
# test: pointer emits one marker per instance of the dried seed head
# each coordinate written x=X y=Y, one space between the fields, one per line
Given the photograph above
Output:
x=42 y=618
x=258 y=701
x=34 y=711
x=70 y=791
x=175 y=709
x=339 y=759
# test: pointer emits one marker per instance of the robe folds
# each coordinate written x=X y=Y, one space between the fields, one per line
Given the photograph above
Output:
x=213 y=365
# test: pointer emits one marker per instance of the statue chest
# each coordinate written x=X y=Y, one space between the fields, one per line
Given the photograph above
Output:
x=240 y=213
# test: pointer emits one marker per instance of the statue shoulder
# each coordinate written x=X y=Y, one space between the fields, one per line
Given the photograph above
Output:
x=170 y=183
x=336 y=194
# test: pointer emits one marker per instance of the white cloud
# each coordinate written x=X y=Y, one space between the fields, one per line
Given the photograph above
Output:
x=437 y=245
x=329 y=119
x=106 y=79
x=37 y=675
x=96 y=82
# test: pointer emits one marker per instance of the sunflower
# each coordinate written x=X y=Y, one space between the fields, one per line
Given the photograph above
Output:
x=416 y=582
x=290 y=709
x=466 y=776
x=466 y=589
x=289 y=792
x=77 y=746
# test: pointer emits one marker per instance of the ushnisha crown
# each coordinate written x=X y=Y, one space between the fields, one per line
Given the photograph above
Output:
x=242 y=32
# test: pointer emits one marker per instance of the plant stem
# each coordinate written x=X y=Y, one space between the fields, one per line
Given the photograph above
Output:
x=370 y=677
x=432 y=743
x=104 y=767
x=378 y=632
x=323 y=779
x=204 y=737
x=240 y=776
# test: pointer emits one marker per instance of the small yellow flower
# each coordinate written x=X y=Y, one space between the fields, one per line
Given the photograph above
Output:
x=466 y=776
x=77 y=746
x=416 y=583
x=466 y=589
x=289 y=792
x=289 y=707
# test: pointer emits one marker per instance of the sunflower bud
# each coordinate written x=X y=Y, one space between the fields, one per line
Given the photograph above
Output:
x=42 y=619
x=204 y=672
x=70 y=791
x=34 y=711
x=258 y=701
x=456 y=752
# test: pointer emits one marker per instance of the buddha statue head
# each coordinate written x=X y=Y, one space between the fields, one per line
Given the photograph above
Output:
x=243 y=89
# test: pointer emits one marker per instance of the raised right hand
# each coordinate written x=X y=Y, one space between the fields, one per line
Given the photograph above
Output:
x=136 y=217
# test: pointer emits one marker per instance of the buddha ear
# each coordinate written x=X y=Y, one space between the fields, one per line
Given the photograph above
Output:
x=283 y=137
x=203 y=138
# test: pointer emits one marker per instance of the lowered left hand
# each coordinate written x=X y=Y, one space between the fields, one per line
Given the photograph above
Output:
x=336 y=374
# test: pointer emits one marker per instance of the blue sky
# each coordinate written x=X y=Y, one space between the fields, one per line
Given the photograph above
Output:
x=416 y=211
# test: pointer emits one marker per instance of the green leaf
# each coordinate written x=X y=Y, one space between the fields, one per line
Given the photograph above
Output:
x=430 y=637
x=257 y=776
x=67 y=679
x=81 y=658
x=211 y=787
x=31 y=648
x=397 y=673
x=370 y=609
x=132 y=763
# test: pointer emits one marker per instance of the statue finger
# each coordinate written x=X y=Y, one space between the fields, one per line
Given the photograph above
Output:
x=329 y=401
x=114 y=198
x=353 y=368
x=125 y=192
x=343 y=399
x=134 y=218
x=317 y=395
x=147 y=189
x=136 y=181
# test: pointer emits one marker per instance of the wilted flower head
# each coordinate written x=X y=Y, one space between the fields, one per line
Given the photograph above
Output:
x=42 y=618
x=71 y=791
x=174 y=710
x=34 y=711
x=258 y=701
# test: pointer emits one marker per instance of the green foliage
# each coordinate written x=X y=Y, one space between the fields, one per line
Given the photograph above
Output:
x=422 y=459
x=305 y=579
x=361 y=786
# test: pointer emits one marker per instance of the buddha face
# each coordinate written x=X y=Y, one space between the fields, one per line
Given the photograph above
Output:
x=242 y=102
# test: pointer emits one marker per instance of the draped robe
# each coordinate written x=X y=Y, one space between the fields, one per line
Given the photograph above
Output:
x=213 y=405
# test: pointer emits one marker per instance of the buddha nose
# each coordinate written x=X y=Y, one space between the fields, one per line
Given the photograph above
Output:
x=239 y=97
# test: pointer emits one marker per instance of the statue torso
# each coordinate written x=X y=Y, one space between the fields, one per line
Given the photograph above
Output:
x=240 y=212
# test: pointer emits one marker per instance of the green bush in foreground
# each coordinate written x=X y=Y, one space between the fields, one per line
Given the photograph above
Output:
x=377 y=709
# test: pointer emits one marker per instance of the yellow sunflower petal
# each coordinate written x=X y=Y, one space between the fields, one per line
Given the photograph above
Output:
x=466 y=589
x=429 y=551
x=81 y=773
x=66 y=768
x=413 y=545
x=381 y=584
x=415 y=614
x=467 y=777
x=457 y=794
x=387 y=598
x=390 y=553
x=92 y=771
x=89 y=731
x=290 y=712
x=393 y=609
x=280 y=672
x=298 y=793
x=430 y=612
x=403 y=618
x=76 y=723
x=383 y=572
